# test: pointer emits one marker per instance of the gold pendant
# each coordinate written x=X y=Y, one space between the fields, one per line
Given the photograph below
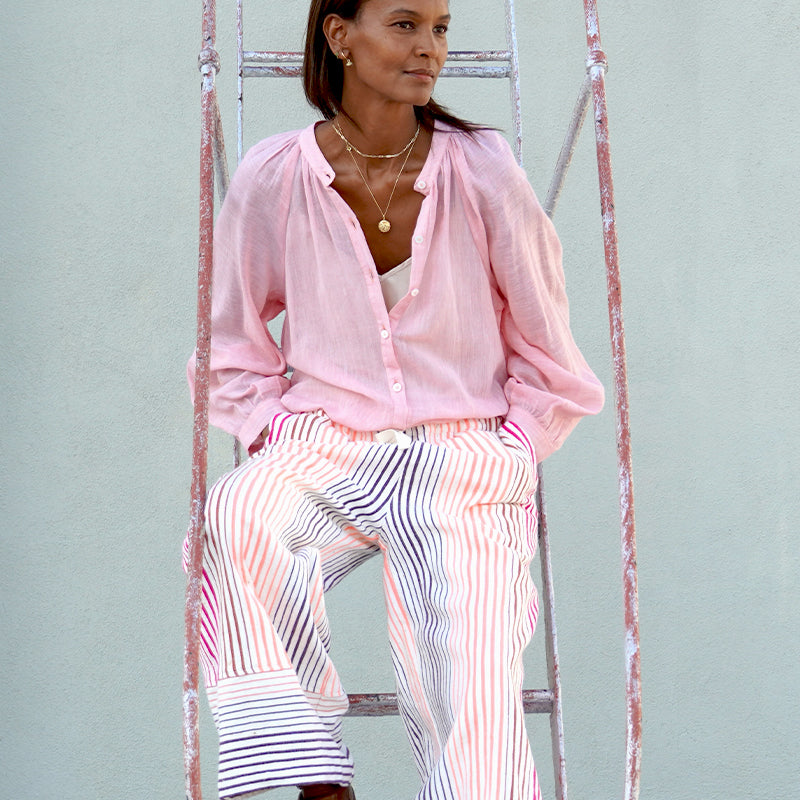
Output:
x=384 y=226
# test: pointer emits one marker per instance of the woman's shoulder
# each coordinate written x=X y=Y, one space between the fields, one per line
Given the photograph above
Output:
x=268 y=164
x=485 y=148
x=484 y=159
x=271 y=153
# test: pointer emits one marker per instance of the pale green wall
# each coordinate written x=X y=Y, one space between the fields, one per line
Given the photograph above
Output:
x=99 y=120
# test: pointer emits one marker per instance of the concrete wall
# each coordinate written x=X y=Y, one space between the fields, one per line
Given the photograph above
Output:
x=99 y=119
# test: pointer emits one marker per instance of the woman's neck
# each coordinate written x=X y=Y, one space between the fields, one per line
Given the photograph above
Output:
x=378 y=130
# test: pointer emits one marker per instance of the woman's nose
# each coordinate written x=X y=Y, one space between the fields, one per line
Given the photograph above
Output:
x=426 y=43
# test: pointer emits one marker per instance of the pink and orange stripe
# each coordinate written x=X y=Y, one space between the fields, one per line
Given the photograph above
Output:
x=448 y=505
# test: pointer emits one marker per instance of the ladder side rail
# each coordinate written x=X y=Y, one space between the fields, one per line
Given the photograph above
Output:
x=221 y=171
x=223 y=183
x=596 y=62
x=568 y=147
x=239 y=82
x=558 y=749
x=240 y=75
x=516 y=100
x=209 y=65
x=545 y=560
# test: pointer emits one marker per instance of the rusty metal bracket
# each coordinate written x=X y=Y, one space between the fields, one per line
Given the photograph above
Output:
x=208 y=61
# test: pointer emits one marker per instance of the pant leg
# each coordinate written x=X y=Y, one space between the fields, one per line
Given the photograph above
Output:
x=277 y=537
x=462 y=607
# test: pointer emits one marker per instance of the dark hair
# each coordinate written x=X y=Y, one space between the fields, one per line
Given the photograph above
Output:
x=323 y=73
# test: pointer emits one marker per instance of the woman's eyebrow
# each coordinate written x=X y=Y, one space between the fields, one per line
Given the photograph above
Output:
x=409 y=13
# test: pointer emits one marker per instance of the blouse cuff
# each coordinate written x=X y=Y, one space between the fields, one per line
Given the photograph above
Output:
x=259 y=418
x=531 y=428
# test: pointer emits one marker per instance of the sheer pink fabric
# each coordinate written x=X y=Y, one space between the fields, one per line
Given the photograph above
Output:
x=482 y=332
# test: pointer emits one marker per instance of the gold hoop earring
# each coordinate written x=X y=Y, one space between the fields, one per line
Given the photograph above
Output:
x=347 y=60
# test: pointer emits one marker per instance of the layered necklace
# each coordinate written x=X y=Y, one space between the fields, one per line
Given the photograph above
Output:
x=384 y=226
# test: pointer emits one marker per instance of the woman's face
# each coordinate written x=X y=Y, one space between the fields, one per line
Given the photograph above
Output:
x=398 y=48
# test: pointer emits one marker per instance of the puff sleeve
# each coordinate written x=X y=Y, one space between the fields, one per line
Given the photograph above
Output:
x=247 y=366
x=550 y=386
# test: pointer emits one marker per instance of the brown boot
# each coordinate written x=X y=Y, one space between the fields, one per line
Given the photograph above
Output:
x=326 y=791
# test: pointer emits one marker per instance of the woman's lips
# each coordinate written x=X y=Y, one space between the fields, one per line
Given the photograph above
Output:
x=421 y=75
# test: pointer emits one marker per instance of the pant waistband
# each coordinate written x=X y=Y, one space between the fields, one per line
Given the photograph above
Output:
x=317 y=425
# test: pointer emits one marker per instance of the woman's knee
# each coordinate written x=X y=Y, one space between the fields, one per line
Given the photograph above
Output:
x=248 y=502
x=226 y=506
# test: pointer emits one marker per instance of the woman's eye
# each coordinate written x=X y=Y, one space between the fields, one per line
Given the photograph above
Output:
x=408 y=25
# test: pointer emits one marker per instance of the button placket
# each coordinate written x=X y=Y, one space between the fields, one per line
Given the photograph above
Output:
x=394 y=375
x=417 y=253
x=420 y=241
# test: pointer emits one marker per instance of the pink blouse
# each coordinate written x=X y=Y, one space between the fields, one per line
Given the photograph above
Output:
x=482 y=332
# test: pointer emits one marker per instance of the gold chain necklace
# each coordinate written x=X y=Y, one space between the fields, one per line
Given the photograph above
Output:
x=350 y=146
x=384 y=226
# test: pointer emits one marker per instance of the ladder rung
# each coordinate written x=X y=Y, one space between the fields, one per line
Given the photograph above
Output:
x=264 y=63
x=534 y=701
x=282 y=57
x=264 y=71
x=478 y=71
x=294 y=71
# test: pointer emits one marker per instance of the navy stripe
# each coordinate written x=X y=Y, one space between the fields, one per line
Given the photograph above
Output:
x=284 y=727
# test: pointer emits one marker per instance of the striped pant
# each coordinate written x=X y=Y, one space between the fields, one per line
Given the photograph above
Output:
x=449 y=507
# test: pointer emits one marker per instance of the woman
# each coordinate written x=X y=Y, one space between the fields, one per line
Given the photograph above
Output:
x=427 y=333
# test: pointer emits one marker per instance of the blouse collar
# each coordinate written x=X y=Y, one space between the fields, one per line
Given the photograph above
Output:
x=319 y=164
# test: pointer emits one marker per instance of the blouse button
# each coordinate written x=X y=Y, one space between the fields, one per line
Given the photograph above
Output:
x=419 y=239
x=421 y=184
x=398 y=387
x=384 y=334
x=414 y=292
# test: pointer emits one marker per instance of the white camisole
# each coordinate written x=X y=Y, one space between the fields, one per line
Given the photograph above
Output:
x=395 y=282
